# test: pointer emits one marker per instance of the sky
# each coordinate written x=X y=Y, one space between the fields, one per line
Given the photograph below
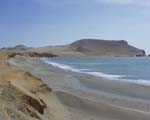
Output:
x=57 y=22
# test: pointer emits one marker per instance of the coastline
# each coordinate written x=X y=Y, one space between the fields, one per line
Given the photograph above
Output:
x=109 y=100
x=100 y=74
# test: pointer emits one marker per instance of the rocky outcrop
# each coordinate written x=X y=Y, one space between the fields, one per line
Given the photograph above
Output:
x=31 y=54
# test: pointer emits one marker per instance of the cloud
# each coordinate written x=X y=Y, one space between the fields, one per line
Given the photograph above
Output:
x=144 y=3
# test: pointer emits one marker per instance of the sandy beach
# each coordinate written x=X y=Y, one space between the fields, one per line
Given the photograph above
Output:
x=74 y=60
x=75 y=97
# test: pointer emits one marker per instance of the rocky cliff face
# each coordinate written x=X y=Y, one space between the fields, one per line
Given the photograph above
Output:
x=105 y=48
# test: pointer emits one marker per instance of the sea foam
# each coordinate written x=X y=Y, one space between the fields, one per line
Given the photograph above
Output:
x=120 y=78
x=62 y=66
x=69 y=68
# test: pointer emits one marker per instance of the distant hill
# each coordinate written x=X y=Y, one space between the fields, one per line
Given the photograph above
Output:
x=94 y=47
x=17 y=48
x=84 y=47
x=105 y=48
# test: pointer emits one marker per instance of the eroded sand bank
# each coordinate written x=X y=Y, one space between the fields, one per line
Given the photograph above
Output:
x=24 y=96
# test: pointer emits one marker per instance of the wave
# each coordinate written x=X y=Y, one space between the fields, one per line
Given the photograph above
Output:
x=98 y=74
x=68 y=68
x=138 y=81
x=62 y=66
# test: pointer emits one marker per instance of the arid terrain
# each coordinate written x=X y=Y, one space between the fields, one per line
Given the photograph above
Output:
x=32 y=90
x=83 y=47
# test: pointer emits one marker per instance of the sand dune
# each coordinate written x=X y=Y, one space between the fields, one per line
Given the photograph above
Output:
x=20 y=94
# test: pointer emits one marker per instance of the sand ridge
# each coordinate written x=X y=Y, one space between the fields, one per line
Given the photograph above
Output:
x=19 y=99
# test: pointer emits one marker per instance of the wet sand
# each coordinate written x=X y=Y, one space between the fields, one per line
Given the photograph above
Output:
x=85 y=97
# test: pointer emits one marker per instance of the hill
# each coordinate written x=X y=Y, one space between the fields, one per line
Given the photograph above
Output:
x=105 y=48
x=83 y=47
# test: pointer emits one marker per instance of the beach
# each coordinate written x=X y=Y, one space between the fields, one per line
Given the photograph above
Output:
x=75 y=97
x=74 y=60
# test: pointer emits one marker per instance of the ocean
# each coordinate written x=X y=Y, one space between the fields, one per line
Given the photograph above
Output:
x=126 y=69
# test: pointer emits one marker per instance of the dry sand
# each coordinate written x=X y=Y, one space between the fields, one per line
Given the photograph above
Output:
x=24 y=96
x=68 y=100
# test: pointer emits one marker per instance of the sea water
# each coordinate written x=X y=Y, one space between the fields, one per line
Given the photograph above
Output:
x=126 y=69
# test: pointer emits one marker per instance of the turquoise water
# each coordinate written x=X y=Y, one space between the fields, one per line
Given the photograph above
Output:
x=136 y=69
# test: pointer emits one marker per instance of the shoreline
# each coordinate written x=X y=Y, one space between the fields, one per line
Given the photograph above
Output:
x=116 y=77
x=123 y=98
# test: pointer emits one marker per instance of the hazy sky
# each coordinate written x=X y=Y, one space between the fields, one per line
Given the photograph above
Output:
x=54 y=22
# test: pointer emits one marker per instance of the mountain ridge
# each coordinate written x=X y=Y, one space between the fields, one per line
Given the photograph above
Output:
x=87 y=47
